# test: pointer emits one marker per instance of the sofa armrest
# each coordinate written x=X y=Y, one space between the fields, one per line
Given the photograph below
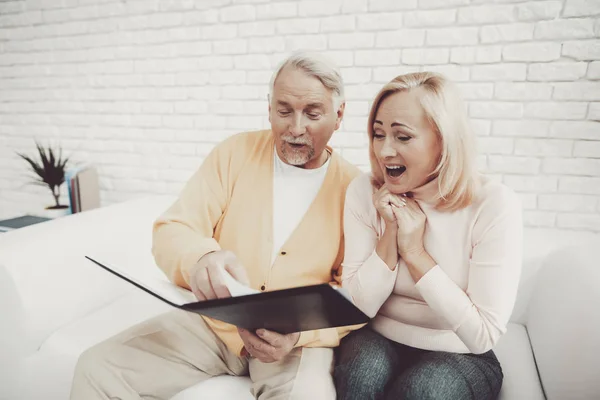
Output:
x=538 y=243
x=13 y=343
x=564 y=323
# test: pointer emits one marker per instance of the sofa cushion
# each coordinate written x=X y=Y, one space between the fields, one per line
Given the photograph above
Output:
x=564 y=323
x=219 y=388
x=46 y=261
x=521 y=379
x=12 y=345
x=52 y=374
x=537 y=244
x=53 y=366
x=133 y=308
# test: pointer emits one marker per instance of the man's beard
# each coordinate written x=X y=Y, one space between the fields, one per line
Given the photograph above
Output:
x=297 y=157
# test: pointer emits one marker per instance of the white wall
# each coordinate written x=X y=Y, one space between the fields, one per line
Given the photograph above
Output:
x=145 y=88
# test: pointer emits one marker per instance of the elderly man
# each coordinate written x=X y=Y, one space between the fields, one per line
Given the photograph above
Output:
x=267 y=207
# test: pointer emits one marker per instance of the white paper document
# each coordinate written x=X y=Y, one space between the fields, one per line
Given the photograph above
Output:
x=235 y=287
x=344 y=292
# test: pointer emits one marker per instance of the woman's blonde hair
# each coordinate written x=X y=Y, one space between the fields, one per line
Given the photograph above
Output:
x=456 y=169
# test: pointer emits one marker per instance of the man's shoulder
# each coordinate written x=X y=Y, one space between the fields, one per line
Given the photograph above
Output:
x=242 y=145
x=246 y=139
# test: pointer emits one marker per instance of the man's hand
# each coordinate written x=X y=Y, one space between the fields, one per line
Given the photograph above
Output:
x=268 y=346
x=206 y=280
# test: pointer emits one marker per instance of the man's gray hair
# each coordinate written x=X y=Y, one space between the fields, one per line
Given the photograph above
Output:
x=319 y=66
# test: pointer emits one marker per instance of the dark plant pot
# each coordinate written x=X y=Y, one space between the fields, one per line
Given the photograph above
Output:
x=54 y=212
x=56 y=207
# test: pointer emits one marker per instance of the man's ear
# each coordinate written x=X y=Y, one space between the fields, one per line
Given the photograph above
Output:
x=269 y=110
x=340 y=115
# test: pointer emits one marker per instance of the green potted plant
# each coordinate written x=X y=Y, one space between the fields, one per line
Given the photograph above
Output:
x=49 y=171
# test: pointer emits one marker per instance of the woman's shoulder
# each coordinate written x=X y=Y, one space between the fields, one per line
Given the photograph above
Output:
x=360 y=192
x=495 y=197
x=497 y=206
x=361 y=187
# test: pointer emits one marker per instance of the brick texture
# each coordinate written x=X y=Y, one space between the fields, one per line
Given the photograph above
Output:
x=145 y=89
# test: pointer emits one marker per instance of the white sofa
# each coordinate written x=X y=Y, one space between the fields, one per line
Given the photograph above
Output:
x=66 y=304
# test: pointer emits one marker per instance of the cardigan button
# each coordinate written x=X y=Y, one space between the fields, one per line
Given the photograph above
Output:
x=263 y=288
x=283 y=253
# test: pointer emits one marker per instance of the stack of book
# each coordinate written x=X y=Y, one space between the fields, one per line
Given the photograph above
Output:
x=84 y=189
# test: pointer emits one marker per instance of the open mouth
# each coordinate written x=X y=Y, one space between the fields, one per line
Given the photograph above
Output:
x=394 y=171
x=296 y=145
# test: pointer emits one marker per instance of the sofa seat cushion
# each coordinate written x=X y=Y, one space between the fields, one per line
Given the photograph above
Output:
x=46 y=261
x=218 y=388
x=133 y=308
x=52 y=367
x=521 y=379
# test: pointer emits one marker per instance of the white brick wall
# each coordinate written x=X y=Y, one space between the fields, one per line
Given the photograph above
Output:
x=145 y=88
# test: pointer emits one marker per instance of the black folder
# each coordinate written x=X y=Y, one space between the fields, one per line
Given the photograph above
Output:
x=285 y=311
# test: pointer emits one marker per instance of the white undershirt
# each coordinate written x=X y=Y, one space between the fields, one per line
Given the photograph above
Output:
x=294 y=190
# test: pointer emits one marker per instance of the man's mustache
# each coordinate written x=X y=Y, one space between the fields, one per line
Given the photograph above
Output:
x=293 y=140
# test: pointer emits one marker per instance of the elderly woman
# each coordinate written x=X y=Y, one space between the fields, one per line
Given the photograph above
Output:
x=433 y=253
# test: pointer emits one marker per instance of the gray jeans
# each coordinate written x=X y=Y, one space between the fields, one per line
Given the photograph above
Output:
x=369 y=366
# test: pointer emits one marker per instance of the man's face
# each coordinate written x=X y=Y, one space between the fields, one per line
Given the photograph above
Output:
x=302 y=118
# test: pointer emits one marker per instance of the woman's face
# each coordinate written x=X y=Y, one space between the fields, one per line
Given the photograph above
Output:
x=405 y=143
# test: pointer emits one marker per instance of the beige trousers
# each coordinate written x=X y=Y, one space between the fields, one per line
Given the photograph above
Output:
x=165 y=355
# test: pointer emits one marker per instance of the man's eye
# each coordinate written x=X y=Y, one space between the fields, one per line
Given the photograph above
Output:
x=283 y=113
x=313 y=115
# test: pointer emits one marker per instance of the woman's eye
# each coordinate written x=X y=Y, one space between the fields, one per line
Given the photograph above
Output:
x=404 y=138
x=378 y=136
